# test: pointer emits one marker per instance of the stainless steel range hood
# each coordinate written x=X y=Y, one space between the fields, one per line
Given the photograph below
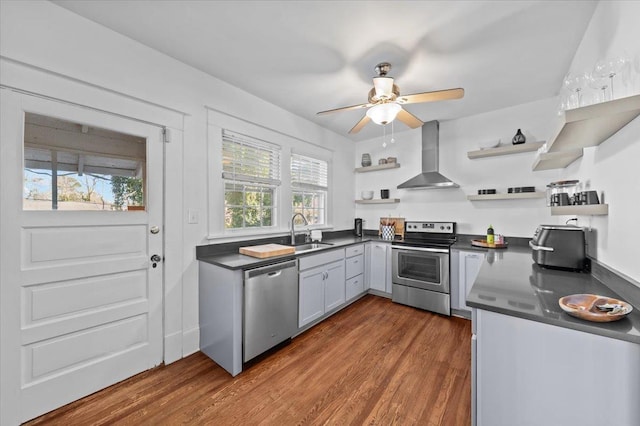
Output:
x=430 y=178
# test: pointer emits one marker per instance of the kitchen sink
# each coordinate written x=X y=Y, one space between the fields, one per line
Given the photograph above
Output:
x=303 y=248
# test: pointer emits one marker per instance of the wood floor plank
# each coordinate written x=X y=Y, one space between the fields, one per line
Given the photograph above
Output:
x=375 y=362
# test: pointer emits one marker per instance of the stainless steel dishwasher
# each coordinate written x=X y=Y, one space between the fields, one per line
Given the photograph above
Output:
x=270 y=307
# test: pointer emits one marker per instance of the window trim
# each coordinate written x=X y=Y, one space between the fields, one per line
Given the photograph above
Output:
x=216 y=122
x=298 y=186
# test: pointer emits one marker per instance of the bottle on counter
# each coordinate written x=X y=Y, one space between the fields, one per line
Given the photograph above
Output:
x=490 y=235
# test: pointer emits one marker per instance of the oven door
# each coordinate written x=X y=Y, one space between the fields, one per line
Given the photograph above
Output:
x=426 y=268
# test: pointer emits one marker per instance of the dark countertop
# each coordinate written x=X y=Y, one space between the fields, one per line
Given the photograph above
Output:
x=227 y=255
x=510 y=283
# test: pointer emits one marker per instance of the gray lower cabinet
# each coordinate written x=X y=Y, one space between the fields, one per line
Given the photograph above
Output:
x=354 y=270
x=321 y=285
x=528 y=373
x=465 y=266
x=380 y=267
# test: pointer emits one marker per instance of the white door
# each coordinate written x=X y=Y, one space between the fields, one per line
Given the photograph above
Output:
x=81 y=301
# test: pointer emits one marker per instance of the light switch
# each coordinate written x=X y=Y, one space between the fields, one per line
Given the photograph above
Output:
x=193 y=216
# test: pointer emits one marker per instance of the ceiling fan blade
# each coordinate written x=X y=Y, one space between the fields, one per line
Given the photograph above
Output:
x=439 y=95
x=347 y=108
x=409 y=119
x=360 y=124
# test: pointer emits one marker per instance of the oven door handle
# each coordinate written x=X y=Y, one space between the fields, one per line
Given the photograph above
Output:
x=427 y=249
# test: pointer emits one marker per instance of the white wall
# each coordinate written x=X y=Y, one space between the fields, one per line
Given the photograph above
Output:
x=612 y=168
x=457 y=137
x=54 y=40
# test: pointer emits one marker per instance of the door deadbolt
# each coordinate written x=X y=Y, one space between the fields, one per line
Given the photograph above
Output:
x=155 y=259
x=154 y=230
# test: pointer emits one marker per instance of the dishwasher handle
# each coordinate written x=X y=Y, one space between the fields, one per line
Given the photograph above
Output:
x=271 y=270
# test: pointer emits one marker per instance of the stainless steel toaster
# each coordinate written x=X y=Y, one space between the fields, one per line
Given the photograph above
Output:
x=559 y=246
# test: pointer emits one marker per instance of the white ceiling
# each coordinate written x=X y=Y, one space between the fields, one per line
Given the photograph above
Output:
x=309 y=56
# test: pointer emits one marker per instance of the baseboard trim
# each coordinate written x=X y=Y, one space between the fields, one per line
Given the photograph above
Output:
x=172 y=347
x=190 y=341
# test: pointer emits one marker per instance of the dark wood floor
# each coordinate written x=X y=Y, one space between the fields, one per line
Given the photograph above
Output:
x=375 y=363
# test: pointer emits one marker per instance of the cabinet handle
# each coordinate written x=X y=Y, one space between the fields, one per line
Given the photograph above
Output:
x=355 y=261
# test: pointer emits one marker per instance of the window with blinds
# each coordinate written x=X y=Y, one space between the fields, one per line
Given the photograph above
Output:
x=309 y=188
x=251 y=171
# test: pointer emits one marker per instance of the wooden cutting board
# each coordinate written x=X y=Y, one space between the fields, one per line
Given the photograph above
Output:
x=267 y=250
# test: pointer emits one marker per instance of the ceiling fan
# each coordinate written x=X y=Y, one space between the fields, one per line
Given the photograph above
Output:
x=385 y=102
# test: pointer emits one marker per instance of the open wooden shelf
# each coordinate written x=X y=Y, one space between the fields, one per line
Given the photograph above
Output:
x=514 y=196
x=584 y=127
x=379 y=201
x=586 y=210
x=378 y=167
x=505 y=150
x=556 y=160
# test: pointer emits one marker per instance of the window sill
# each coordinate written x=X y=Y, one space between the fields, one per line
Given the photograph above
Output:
x=239 y=235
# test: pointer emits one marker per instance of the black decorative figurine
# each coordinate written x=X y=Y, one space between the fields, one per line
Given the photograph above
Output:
x=518 y=138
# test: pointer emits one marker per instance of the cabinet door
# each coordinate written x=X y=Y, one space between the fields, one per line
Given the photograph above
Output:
x=355 y=286
x=334 y=285
x=388 y=275
x=378 y=267
x=354 y=266
x=311 y=288
x=468 y=269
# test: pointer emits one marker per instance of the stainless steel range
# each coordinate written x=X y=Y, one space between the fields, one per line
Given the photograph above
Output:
x=420 y=267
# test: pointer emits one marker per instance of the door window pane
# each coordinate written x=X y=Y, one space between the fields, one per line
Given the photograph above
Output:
x=71 y=166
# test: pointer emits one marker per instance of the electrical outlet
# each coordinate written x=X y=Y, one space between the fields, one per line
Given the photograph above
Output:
x=193 y=216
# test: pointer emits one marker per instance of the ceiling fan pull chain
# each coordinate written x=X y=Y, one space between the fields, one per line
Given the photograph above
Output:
x=392 y=138
x=384 y=136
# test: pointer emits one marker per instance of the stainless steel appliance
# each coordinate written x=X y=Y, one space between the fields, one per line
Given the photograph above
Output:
x=559 y=246
x=270 y=307
x=420 y=266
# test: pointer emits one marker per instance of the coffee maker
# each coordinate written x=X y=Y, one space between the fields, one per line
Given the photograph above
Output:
x=357 y=227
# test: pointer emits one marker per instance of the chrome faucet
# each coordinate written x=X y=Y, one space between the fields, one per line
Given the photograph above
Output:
x=293 y=234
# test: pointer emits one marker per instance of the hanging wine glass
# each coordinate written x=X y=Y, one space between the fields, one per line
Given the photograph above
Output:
x=599 y=82
x=609 y=68
x=574 y=83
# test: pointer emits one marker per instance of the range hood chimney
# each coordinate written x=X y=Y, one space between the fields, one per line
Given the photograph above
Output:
x=430 y=178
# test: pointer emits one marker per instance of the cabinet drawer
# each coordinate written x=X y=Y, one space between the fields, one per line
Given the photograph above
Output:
x=355 y=286
x=355 y=250
x=311 y=261
x=354 y=266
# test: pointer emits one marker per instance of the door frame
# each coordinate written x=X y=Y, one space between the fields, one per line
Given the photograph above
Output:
x=18 y=77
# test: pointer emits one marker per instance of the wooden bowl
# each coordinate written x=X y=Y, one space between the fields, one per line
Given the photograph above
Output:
x=585 y=306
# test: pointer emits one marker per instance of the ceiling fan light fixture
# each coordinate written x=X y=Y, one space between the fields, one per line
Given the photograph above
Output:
x=383 y=113
x=383 y=87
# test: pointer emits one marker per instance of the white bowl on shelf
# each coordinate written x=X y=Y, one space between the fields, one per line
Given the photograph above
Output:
x=489 y=144
x=366 y=195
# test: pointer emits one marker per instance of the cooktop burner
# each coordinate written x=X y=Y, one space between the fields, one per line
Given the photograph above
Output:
x=428 y=234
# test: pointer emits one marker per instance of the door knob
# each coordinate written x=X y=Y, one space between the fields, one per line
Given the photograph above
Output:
x=155 y=259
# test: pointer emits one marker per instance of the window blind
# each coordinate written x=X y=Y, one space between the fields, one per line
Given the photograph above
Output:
x=308 y=173
x=248 y=159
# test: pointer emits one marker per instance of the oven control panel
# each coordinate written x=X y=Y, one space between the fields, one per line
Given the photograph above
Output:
x=430 y=227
